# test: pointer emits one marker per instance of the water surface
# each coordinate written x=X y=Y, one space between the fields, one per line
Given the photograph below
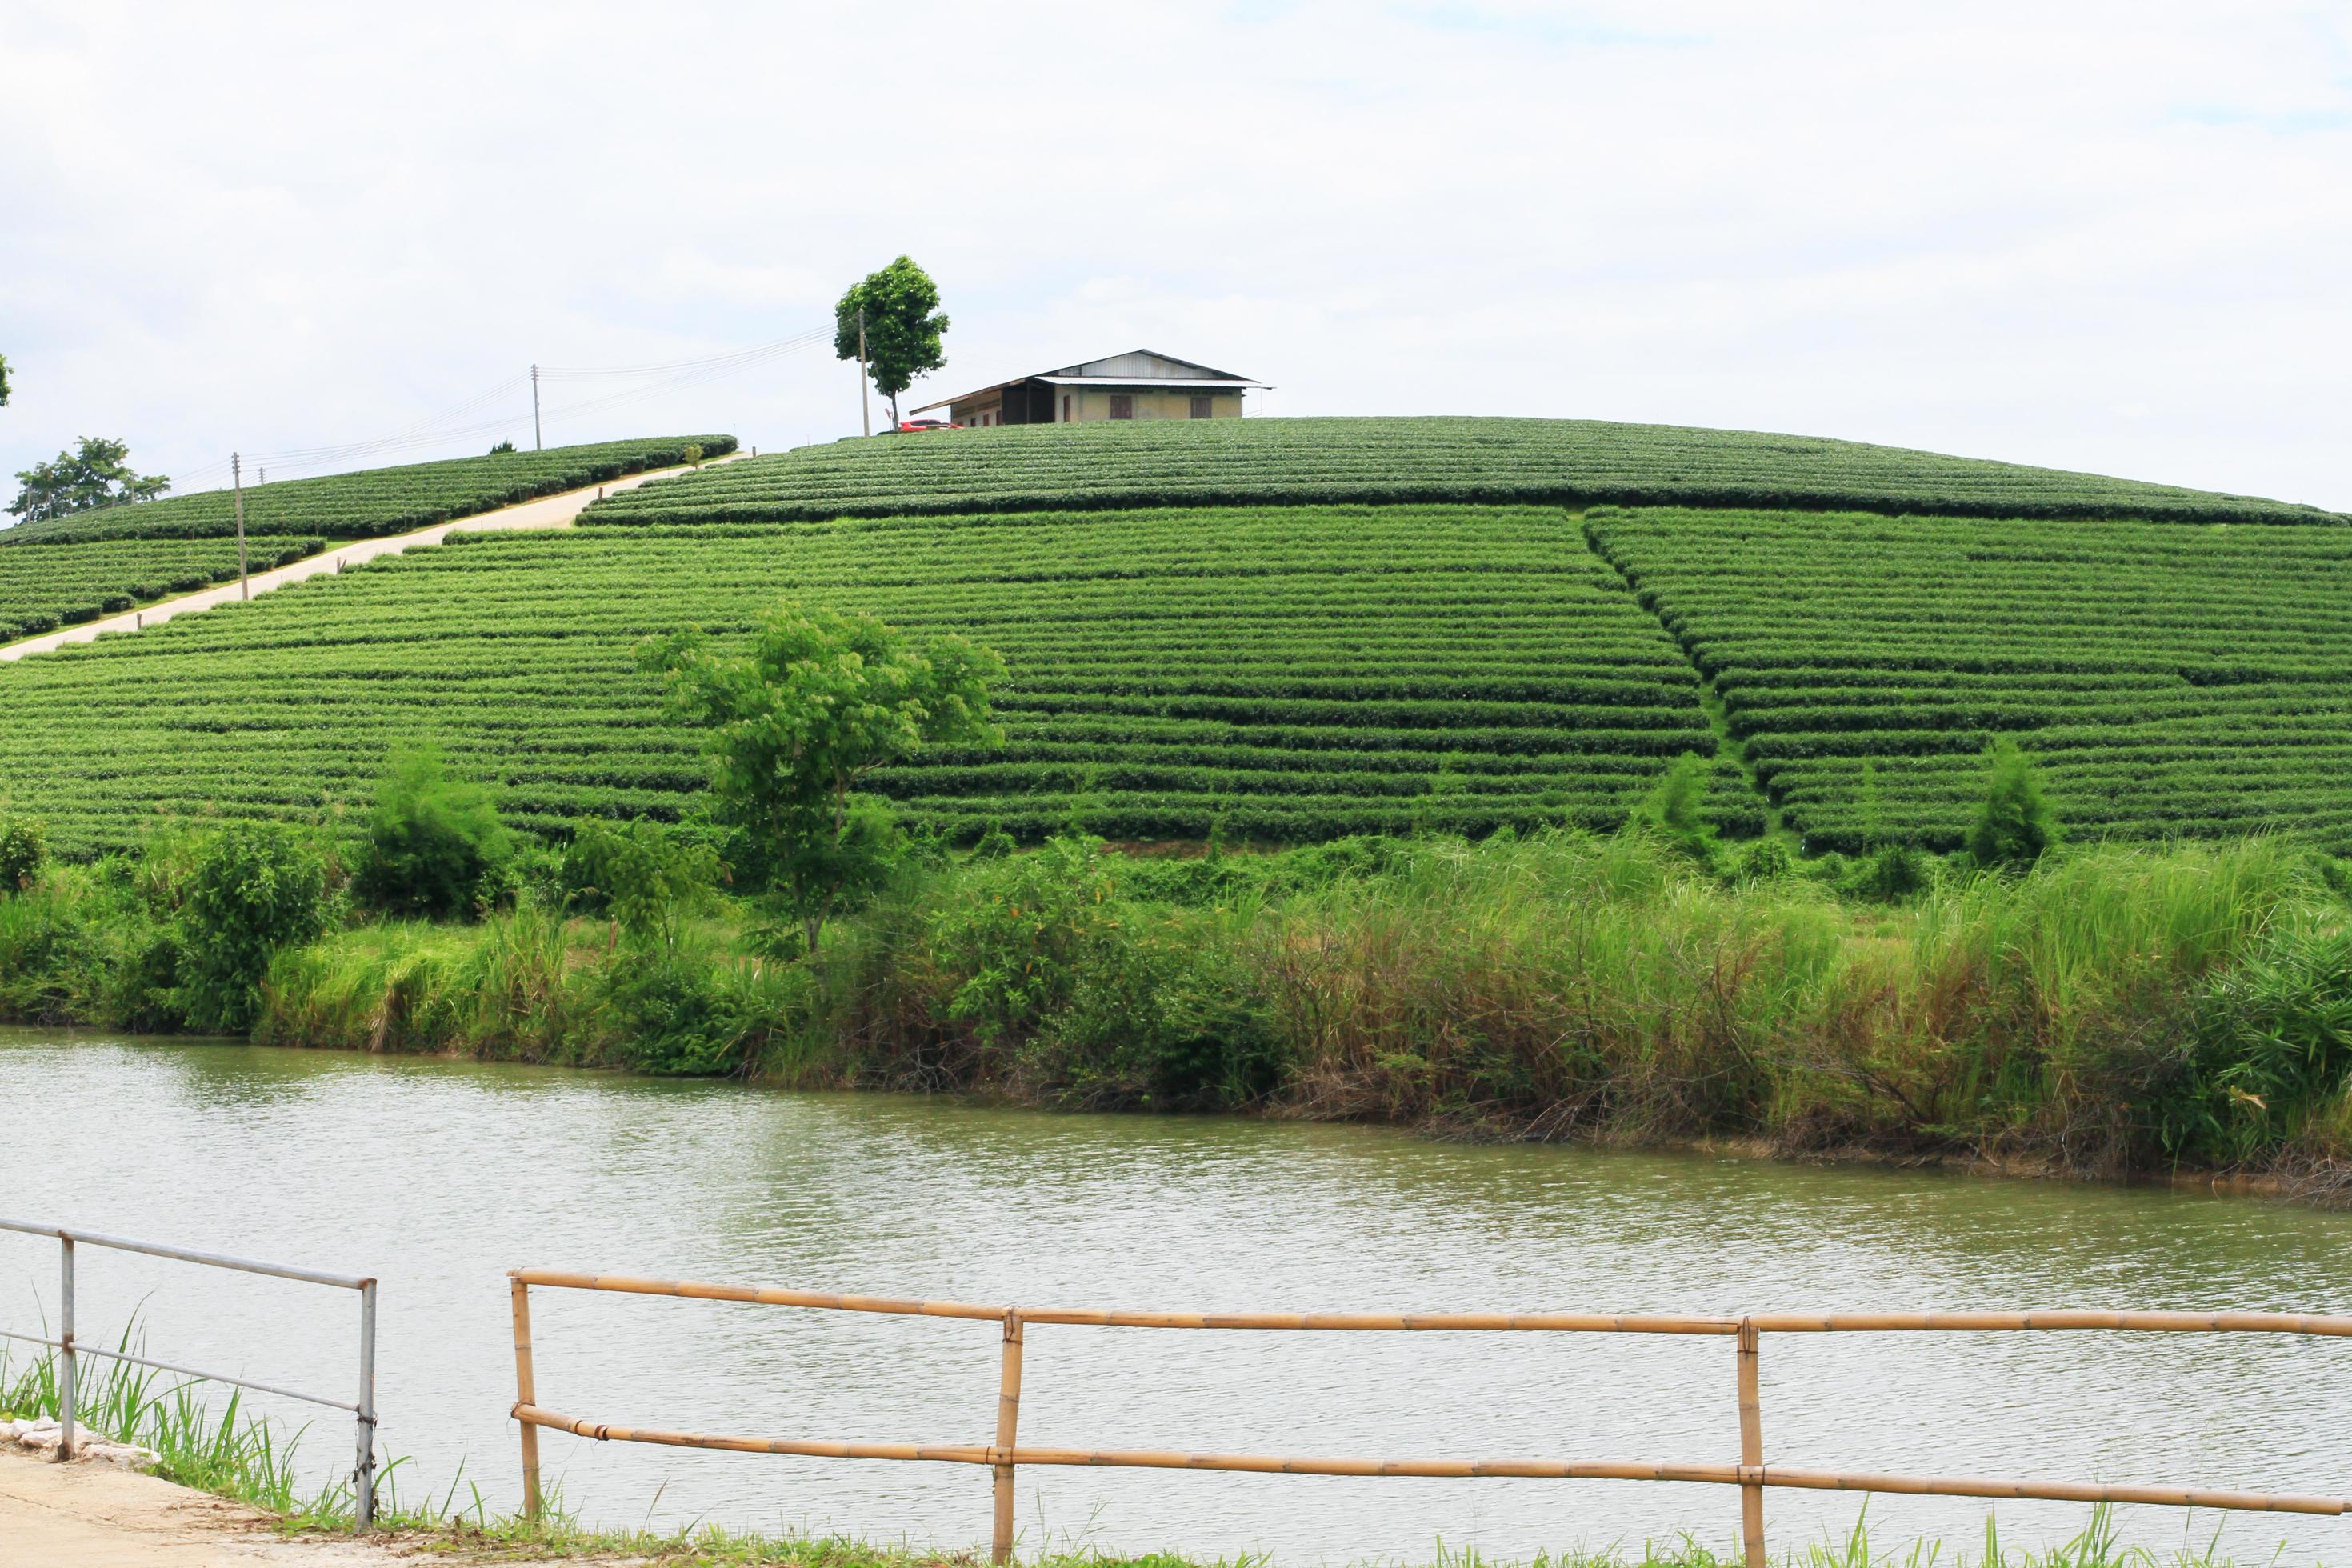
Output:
x=439 y=1176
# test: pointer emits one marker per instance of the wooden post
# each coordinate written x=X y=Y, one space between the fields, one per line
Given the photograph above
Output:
x=526 y=1393
x=1008 y=1426
x=1752 y=1448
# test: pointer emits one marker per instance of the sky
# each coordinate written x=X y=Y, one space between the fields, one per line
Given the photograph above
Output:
x=2115 y=237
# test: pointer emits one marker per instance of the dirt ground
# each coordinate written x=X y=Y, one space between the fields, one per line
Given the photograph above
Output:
x=99 y=1516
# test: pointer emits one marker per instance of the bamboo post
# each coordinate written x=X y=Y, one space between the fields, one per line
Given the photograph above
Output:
x=1008 y=1425
x=1751 y=1448
x=526 y=1393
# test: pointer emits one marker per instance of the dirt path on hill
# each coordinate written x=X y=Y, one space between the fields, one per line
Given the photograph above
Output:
x=97 y=1516
x=546 y=511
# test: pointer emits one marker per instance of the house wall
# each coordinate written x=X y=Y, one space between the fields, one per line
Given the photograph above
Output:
x=1094 y=403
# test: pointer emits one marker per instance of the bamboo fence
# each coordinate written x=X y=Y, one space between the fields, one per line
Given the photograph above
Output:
x=1750 y=1474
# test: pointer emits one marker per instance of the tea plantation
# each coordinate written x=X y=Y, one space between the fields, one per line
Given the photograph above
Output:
x=1292 y=629
x=66 y=584
x=375 y=501
x=2170 y=679
x=1226 y=462
x=1290 y=673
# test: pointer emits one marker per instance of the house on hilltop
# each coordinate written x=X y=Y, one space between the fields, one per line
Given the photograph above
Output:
x=1141 y=384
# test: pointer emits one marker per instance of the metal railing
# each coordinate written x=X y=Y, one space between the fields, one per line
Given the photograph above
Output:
x=1750 y=1474
x=70 y=1349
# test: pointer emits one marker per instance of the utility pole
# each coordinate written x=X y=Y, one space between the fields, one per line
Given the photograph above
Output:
x=262 y=479
x=535 y=443
x=237 y=478
x=865 y=407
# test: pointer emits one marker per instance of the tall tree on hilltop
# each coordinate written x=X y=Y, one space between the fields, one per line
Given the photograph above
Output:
x=94 y=475
x=903 y=324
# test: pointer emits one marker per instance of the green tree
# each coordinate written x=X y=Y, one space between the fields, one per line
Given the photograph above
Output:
x=903 y=325
x=2016 y=822
x=432 y=843
x=792 y=725
x=92 y=476
x=4 y=380
x=254 y=888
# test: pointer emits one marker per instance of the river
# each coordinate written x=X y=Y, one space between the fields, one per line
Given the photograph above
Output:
x=438 y=1176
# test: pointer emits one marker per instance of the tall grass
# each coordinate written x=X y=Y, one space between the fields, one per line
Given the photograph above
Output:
x=2114 y=1010
x=229 y=1453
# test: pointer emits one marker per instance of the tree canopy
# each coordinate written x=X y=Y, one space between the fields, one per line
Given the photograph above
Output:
x=903 y=326
x=96 y=474
x=4 y=380
x=791 y=724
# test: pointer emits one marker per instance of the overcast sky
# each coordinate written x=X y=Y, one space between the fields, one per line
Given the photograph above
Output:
x=2115 y=237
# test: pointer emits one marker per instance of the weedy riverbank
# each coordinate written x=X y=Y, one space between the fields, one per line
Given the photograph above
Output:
x=2113 y=1012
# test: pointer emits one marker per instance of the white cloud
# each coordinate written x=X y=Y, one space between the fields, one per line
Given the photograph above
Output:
x=2099 y=236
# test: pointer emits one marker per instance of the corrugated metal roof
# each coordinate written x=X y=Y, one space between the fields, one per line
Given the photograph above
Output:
x=1069 y=375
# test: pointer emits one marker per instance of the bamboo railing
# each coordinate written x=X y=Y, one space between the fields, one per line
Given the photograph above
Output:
x=1750 y=1474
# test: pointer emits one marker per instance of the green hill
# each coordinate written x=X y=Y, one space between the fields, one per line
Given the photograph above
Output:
x=373 y=501
x=1267 y=652
x=1272 y=462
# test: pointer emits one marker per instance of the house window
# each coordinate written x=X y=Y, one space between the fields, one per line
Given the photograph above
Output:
x=1201 y=408
x=1066 y=408
x=1122 y=405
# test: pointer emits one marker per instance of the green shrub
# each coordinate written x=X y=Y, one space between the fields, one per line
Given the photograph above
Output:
x=23 y=850
x=253 y=888
x=2015 y=825
x=1765 y=860
x=1890 y=872
x=435 y=845
x=647 y=877
x=1674 y=809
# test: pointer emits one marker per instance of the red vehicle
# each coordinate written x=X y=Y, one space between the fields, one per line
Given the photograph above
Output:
x=907 y=426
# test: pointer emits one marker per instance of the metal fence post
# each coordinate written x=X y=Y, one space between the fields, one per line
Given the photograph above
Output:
x=1751 y=1448
x=526 y=1393
x=65 y=1347
x=1008 y=1425
x=363 y=1475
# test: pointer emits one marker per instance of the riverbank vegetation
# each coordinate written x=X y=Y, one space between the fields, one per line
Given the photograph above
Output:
x=2108 y=1011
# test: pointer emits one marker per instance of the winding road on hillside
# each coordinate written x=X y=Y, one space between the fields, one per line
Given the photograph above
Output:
x=558 y=511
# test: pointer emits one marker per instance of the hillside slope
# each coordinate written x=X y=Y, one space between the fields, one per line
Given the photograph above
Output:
x=1297 y=670
x=368 y=502
x=1290 y=674
x=1225 y=462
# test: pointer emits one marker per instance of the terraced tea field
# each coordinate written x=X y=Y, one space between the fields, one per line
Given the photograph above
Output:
x=65 y=585
x=1291 y=673
x=1228 y=462
x=2171 y=680
x=373 y=501
x=1407 y=652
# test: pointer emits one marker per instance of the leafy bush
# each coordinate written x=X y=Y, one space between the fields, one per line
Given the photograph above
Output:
x=645 y=876
x=253 y=888
x=1890 y=872
x=24 y=849
x=2015 y=825
x=1097 y=999
x=1674 y=809
x=435 y=845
